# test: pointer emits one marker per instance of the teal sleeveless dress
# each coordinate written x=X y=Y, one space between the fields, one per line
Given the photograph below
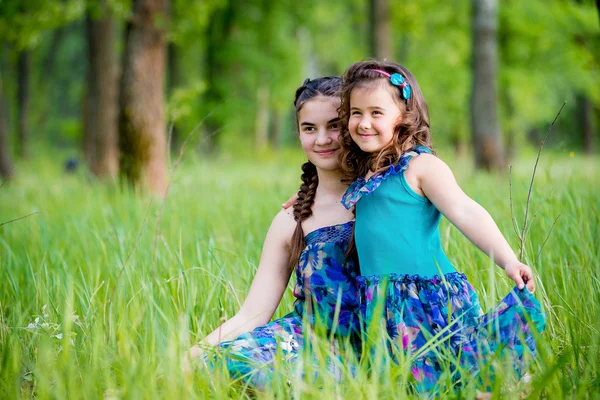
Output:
x=408 y=284
x=326 y=299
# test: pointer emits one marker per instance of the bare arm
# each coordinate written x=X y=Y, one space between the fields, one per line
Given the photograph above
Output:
x=436 y=181
x=268 y=284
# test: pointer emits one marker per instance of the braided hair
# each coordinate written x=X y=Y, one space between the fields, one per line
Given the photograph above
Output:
x=328 y=86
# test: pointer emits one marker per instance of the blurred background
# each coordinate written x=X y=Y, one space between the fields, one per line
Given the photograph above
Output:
x=114 y=86
x=102 y=289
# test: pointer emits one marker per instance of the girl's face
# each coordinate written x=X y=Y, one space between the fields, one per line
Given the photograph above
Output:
x=373 y=116
x=319 y=127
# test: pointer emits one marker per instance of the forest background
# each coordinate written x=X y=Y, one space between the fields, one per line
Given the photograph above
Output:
x=190 y=103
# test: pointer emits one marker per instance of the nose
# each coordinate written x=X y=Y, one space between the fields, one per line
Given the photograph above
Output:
x=364 y=123
x=323 y=138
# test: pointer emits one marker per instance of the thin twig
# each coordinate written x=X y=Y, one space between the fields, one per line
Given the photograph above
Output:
x=547 y=237
x=537 y=210
x=16 y=219
x=144 y=223
x=135 y=244
x=10 y=173
x=523 y=238
x=512 y=213
x=172 y=175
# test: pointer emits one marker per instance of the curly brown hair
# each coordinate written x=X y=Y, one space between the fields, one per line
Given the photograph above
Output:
x=328 y=86
x=412 y=130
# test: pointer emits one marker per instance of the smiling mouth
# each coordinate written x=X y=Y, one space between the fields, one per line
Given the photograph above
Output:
x=326 y=152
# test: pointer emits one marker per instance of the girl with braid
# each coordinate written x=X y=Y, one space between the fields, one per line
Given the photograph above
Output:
x=310 y=240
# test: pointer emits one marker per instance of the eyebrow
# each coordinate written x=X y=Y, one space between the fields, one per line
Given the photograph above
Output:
x=371 y=108
x=336 y=119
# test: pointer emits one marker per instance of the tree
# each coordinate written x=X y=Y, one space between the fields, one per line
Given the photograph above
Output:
x=379 y=23
x=23 y=68
x=586 y=110
x=101 y=105
x=6 y=168
x=142 y=136
x=23 y=24
x=484 y=119
x=219 y=34
x=173 y=82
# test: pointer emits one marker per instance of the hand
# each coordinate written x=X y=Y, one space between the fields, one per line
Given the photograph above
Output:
x=189 y=358
x=521 y=274
x=291 y=201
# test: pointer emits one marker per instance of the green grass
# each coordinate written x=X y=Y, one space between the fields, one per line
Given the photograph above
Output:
x=144 y=289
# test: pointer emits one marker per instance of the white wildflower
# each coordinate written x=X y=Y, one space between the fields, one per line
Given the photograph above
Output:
x=59 y=336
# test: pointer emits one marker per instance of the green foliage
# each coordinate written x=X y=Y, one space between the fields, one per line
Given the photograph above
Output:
x=120 y=293
x=548 y=57
x=236 y=60
x=433 y=41
x=24 y=23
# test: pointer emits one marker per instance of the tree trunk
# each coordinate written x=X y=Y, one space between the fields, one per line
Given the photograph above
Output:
x=262 y=118
x=484 y=119
x=100 y=120
x=511 y=134
x=275 y=134
x=219 y=31
x=379 y=25
x=173 y=82
x=6 y=168
x=46 y=83
x=23 y=67
x=586 y=114
x=142 y=136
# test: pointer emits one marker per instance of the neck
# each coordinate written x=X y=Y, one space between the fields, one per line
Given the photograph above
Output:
x=330 y=183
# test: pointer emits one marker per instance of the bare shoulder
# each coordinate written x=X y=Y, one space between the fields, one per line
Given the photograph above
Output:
x=426 y=163
x=426 y=169
x=283 y=225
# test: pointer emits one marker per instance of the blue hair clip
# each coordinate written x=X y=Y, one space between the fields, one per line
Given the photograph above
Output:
x=398 y=80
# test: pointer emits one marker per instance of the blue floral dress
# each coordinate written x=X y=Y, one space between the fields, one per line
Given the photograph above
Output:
x=407 y=285
x=326 y=298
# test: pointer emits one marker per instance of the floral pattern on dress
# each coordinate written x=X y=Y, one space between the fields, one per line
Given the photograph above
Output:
x=326 y=296
x=417 y=309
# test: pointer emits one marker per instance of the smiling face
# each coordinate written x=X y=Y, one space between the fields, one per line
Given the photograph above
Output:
x=374 y=113
x=319 y=130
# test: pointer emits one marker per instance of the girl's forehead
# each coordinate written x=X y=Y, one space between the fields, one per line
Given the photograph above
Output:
x=324 y=99
x=373 y=90
x=321 y=102
x=320 y=106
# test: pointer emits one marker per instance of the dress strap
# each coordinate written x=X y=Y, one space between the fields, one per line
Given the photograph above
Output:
x=361 y=187
x=416 y=151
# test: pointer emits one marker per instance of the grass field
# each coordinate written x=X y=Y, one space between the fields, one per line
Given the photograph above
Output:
x=103 y=289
